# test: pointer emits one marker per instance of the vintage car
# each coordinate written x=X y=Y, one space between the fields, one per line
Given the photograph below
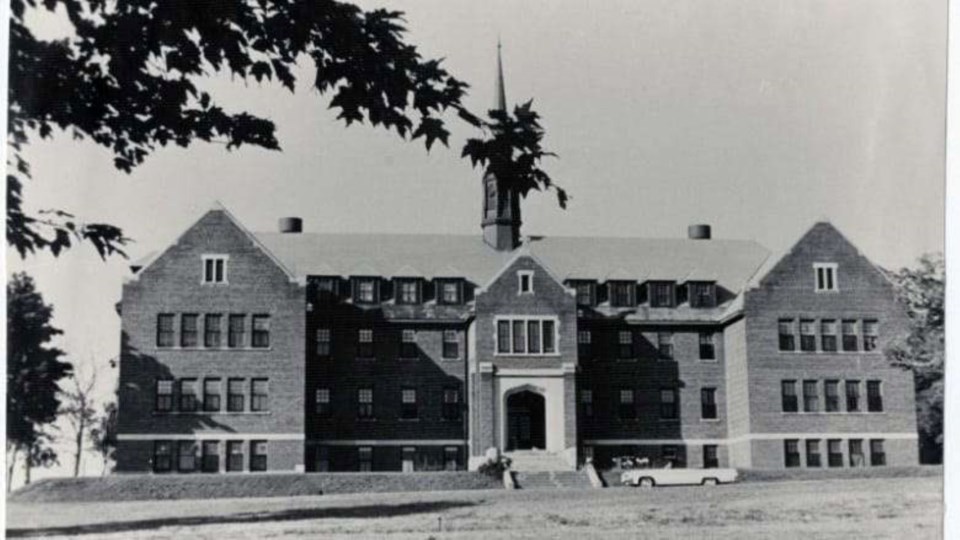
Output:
x=677 y=477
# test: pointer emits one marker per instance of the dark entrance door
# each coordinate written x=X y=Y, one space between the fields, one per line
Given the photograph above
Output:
x=526 y=421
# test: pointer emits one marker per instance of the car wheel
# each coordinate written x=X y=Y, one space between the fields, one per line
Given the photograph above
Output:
x=710 y=481
x=646 y=482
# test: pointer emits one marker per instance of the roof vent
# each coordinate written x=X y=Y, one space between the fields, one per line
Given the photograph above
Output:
x=290 y=225
x=700 y=231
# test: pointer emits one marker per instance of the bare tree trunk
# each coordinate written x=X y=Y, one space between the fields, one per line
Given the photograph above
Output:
x=79 y=453
x=26 y=471
x=10 y=467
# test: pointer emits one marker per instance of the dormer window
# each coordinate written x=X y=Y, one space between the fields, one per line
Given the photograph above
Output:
x=586 y=292
x=449 y=292
x=623 y=293
x=365 y=291
x=328 y=287
x=662 y=294
x=825 y=276
x=408 y=291
x=702 y=294
x=214 y=268
x=525 y=281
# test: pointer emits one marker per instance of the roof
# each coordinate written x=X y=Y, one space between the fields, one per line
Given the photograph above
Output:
x=729 y=262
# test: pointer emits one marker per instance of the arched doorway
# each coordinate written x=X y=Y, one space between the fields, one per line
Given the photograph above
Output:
x=526 y=421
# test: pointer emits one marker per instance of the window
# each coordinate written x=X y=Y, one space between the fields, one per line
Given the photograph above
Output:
x=450 y=292
x=813 y=453
x=869 y=335
x=877 y=456
x=808 y=337
x=828 y=335
x=365 y=344
x=323 y=402
x=707 y=349
x=586 y=402
x=165 y=330
x=211 y=395
x=409 y=291
x=258 y=456
x=210 y=456
x=408 y=403
x=788 y=393
x=787 y=339
x=710 y=459
x=164 y=401
x=855 y=451
x=525 y=282
x=162 y=456
x=586 y=293
x=235 y=395
x=408 y=344
x=791 y=452
x=826 y=277
x=328 y=288
x=853 y=396
x=187 y=456
x=668 y=404
x=831 y=393
x=626 y=350
x=702 y=294
x=623 y=293
x=627 y=409
x=584 y=341
x=365 y=403
x=527 y=336
x=834 y=453
x=259 y=398
x=408 y=454
x=849 y=329
x=451 y=404
x=451 y=344
x=665 y=345
x=261 y=331
x=234 y=456
x=214 y=268
x=451 y=458
x=323 y=459
x=708 y=403
x=874 y=397
x=365 y=458
x=188 y=329
x=323 y=342
x=662 y=294
x=236 y=328
x=811 y=397
x=188 y=395
x=670 y=454
x=365 y=291
x=211 y=330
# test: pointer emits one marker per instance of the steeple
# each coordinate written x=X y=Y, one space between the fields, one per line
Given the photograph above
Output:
x=501 y=205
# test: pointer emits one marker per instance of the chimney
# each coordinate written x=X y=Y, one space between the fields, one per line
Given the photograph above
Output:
x=290 y=225
x=700 y=231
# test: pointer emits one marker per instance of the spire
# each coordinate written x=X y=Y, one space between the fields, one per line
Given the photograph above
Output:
x=501 y=103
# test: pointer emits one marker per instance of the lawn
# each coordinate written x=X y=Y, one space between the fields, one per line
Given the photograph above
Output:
x=837 y=508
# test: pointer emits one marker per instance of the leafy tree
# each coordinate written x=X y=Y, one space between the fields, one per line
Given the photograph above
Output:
x=79 y=411
x=33 y=371
x=104 y=434
x=126 y=79
x=921 y=351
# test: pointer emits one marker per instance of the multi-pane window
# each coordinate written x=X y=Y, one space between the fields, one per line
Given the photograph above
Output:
x=662 y=294
x=787 y=339
x=628 y=410
x=235 y=394
x=828 y=335
x=528 y=336
x=825 y=275
x=258 y=455
x=625 y=347
x=451 y=458
x=365 y=403
x=409 y=292
x=584 y=342
x=162 y=456
x=187 y=456
x=236 y=330
x=586 y=402
x=708 y=403
x=408 y=403
x=211 y=330
x=849 y=331
x=234 y=456
x=670 y=454
x=710 y=459
x=791 y=452
x=365 y=343
x=365 y=291
x=834 y=453
x=585 y=293
x=323 y=342
x=788 y=393
x=261 y=331
x=164 y=401
x=323 y=402
x=831 y=393
x=328 y=288
x=855 y=452
x=874 y=397
x=813 y=453
x=870 y=335
x=211 y=395
x=165 y=330
x=408 y=344
x=877 y=456
x=214 y=268
x=188 y=395
x=365 y=458
x=665 y=345
x=668 y=404
x=451 y=344
x=210 y=456
x=708 y=350
x=702 y=294
x=811 y=397
x=449 y=292
x=623 y=293
x=853 y=396
x=451 y=404
x=188 y=329
x=322 y=463
x=259 y=395
x=808 y=336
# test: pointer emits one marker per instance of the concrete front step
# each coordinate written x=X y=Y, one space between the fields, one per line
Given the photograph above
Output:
x=552 y=480
x=536 y=461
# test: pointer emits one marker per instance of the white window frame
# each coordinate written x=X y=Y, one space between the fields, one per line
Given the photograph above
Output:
x=526 y=321
x=224 y=258
x=828 y=269
x=528 y=274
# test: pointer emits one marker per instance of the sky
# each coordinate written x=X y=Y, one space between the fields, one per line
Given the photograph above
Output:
x=759 y=117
